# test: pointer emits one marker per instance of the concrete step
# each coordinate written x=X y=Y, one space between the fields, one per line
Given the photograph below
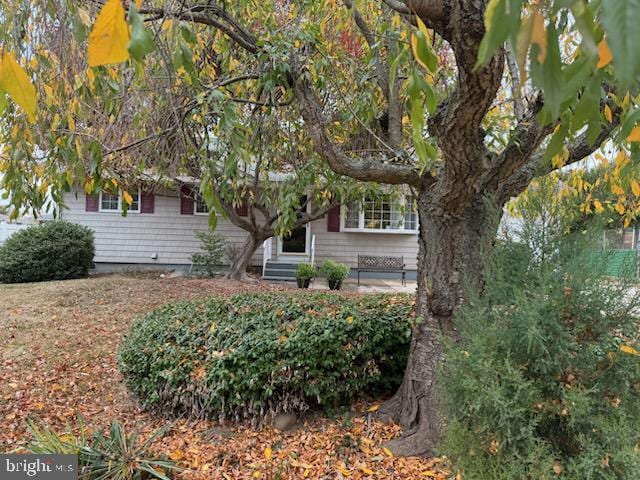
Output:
x=275 y=278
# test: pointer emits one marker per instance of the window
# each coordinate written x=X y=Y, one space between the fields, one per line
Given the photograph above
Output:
x=200 y=207
x=110 y=202
x=384 y=214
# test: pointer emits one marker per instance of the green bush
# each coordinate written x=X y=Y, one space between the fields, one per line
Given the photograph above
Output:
x=208 y=262
x=545 y=381
x=305 y=271
x=254 y=355
x=335 y=272
x=50 y=251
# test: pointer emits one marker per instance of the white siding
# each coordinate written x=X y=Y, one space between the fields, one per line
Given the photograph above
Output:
x=344 y=247
x=8 y=229
x=136 y=237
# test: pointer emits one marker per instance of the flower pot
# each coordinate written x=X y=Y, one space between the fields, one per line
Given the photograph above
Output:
x=303 y=282
x=334 y=284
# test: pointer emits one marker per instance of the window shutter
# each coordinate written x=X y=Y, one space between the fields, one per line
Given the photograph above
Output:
x=186 y=200
x=242 y=210
x=92 y=203
x=333 y=219
x=147 y=202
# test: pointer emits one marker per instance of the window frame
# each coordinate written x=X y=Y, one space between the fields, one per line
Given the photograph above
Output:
x=119 y=209
x=197 y=197
x=361 y=222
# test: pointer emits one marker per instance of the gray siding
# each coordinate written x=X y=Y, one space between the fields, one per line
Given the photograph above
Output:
x=344 y=247
x=136 y=237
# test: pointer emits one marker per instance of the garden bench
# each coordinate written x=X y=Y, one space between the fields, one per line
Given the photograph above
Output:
x=371 y=263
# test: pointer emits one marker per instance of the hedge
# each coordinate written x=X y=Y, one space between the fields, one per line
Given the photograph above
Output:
x=259 y=354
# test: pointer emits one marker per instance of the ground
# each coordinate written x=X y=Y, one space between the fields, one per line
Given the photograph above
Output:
x=58 y=361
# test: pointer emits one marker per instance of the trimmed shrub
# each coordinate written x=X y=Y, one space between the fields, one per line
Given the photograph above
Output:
x=50 y=251
x=255 y=355
x=545 y=382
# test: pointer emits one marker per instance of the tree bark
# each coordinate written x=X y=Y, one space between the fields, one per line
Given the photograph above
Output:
x=238 y=269
x=449 y=261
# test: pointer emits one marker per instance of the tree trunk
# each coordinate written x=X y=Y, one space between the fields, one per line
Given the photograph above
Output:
x=238 y=269
x=449 y=259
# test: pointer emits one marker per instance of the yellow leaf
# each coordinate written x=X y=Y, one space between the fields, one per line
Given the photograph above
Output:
x=608 y=114
x=634 y=136
x=598 y=206
x=630 y=350
x=127 y=198
x=267 y=453
x=635 y=188
x=539 y=36
x=15 y=81
x=387 y=452
x=110 y=36
x=604 y=54
x=366 y=470
x=429 y=473
x=256 y=474
x=213 y=327
x=176 y=455
x=373 y=408
x=423 y=28
x=619 y=208
x=349 y=319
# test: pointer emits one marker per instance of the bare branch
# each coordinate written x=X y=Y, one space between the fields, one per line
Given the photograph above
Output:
x=516 y=92
x=361 y=169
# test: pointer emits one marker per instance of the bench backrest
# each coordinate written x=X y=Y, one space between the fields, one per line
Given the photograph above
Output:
x=380 y=263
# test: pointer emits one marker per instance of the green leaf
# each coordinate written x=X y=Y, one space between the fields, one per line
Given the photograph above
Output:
x=423 y=52
x=213 y=220
x=549 y=76
x=141 y=42
x=502 y=20
x=621 y=20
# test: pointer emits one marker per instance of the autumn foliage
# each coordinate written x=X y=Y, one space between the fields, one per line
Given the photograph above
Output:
x=253 y=355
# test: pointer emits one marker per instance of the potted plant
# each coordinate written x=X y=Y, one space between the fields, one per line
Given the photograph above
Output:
x=305 y=272
x=335 y=273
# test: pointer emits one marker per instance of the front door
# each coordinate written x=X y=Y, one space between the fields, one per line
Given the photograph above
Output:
x=294 y=246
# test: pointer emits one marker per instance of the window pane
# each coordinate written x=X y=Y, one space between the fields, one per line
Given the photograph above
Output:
x=201 y=206
x=352 y=215
x=411 y=214
x=109 y=202
x=135 y=205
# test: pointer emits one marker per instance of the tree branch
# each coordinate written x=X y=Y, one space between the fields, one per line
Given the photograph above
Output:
x=579 y=149
x=361 y=169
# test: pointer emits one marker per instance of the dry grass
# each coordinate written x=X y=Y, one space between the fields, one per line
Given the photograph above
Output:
x=58 y=362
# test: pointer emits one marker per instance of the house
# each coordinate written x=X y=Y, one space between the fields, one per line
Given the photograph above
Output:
x=159 y=232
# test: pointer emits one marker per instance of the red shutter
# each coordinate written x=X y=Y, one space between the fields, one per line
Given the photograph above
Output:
x=186 y=200
x=242 y=210
x=92 y=203
x=147 y=202
x=333 y=219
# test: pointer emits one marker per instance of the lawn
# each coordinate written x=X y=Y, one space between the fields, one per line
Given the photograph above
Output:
x=58 y=362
